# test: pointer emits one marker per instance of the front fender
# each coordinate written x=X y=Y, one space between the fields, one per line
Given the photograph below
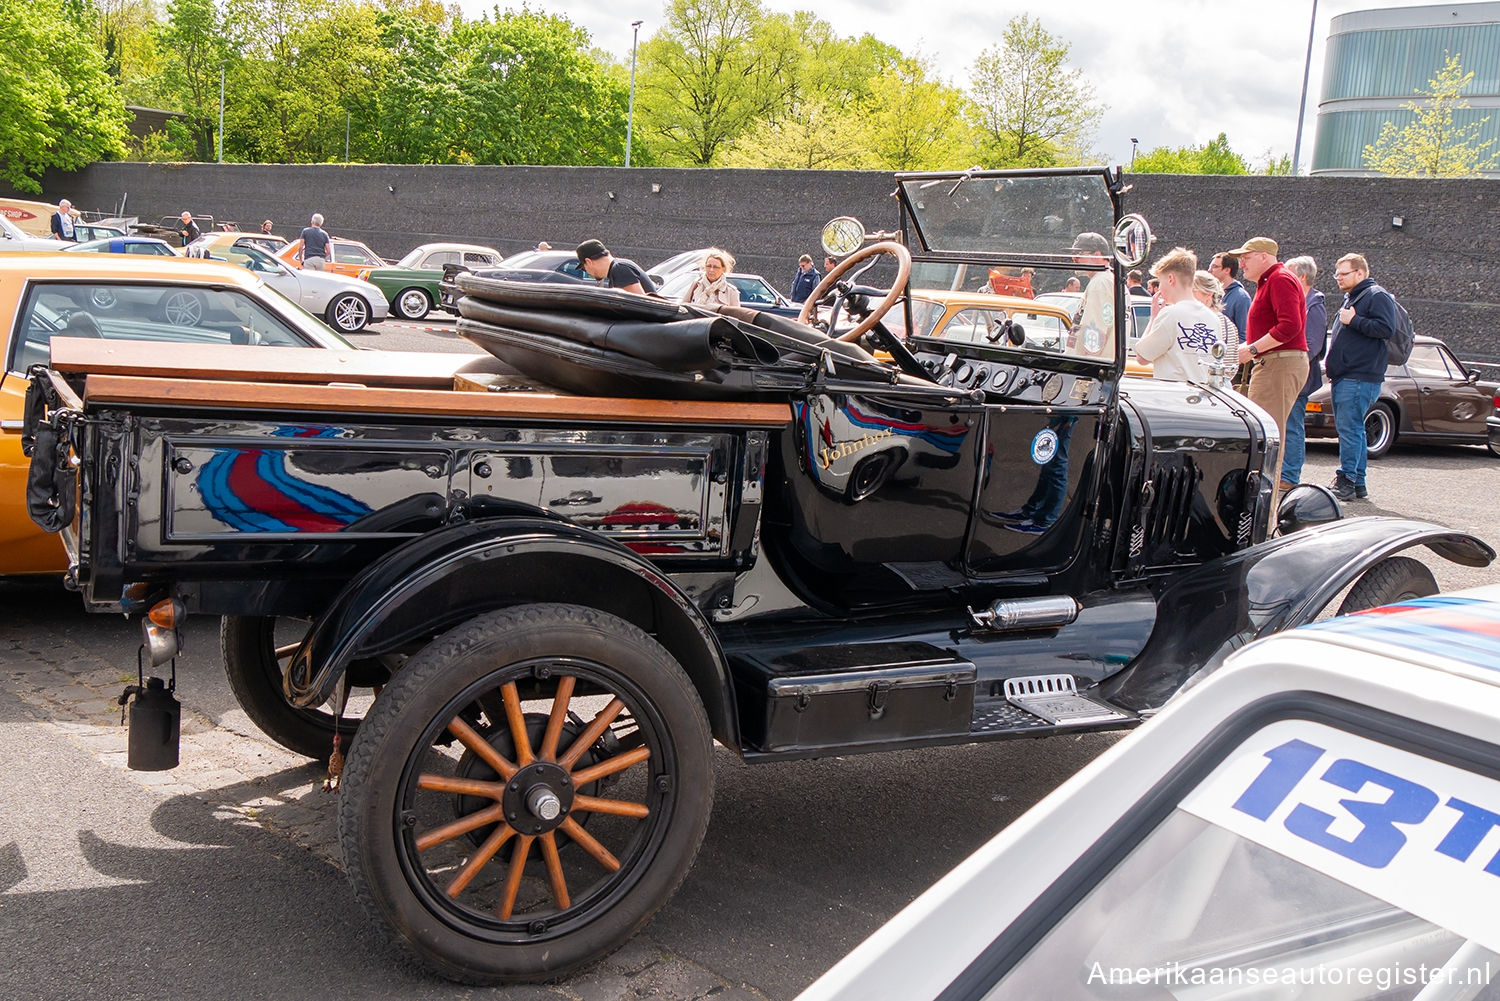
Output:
x=449 y=576
x=1285 y=582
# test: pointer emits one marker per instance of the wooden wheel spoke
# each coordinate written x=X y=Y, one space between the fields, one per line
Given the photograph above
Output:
x=463 y=825
x=517 y=723
x=596 y=729
x=618 y=807
x=472 y=739
x=554 y=871
x=548 y=751
x=283 y=652
x=586 y=841
x=462 y=787
x=513 y=880
x=479 y=859
x=618 y=763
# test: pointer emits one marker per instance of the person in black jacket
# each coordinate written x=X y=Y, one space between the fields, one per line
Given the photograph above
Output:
x=62 y=222
x=1356 y=366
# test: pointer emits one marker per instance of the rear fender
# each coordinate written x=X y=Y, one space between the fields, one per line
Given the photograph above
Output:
x=451 y=575
x=1207 y=614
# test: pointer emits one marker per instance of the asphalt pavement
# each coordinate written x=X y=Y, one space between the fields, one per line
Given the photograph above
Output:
x=222 y=877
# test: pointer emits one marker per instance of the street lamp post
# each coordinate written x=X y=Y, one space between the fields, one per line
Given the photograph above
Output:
x=1133 y=143
x=221 y=112
x=635 y=34
x=1312 y=25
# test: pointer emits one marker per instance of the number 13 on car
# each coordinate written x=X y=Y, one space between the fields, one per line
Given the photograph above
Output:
x=1418 y=833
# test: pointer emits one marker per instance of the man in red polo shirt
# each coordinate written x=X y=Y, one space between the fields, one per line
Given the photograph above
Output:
x=1275 y=341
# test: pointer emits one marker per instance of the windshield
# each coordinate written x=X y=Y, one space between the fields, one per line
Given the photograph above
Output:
x=412 y=257
x=1030 y=215
x=1312 y=863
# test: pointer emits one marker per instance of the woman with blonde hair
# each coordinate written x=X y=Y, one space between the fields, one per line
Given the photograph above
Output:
x=713 y=287
x=1210 y=291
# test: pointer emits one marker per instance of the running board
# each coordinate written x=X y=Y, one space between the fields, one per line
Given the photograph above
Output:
x=1045 y=702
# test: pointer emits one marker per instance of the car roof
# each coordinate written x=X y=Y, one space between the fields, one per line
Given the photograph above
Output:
x=471 y=247
x=153 y=267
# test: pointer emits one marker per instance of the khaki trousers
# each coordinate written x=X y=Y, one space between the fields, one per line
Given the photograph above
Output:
x=1275 y=380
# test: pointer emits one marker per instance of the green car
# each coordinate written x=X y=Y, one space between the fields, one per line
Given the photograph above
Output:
x=411 y=284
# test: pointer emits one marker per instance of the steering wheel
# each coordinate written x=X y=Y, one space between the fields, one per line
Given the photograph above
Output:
x=898 y=287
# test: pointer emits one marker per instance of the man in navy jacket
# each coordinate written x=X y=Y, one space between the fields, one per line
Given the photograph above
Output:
x=1356 y=366
x=804 y=279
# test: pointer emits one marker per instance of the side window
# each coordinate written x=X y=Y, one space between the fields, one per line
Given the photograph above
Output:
x=1455 y=366
x=753 y=292
x=1427 y=361
x=148 y=249
x=437 y=259
x=576 y=270
x=139 y=312
x=476 y=260
x=343 y=253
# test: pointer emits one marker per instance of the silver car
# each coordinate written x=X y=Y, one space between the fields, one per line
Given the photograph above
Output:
x=347 y=304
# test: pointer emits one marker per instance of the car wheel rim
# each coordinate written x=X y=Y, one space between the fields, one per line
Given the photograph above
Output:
x=183 y=310
x=1377 y=429
x=350 y=313
x=412 y=304
x=492 y=826
x=102 y=298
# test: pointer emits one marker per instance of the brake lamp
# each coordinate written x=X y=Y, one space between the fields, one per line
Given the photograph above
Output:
x=168 y=613
x=159 y=630
x=364 y=275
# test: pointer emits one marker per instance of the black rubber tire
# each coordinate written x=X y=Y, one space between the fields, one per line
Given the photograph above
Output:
x=1393 y=579
x=1380 y=430
x=1494 y=447
x=384 y=808
x=248 y=646
x=405 y=303
x=348 y=313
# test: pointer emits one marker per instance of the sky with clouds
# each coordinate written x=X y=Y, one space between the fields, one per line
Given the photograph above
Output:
x=1171 y=72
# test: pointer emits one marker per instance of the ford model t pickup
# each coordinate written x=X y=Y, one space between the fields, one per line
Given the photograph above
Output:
x=529 y=599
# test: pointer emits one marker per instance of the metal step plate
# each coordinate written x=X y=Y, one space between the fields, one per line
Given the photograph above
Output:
x=1055 y=698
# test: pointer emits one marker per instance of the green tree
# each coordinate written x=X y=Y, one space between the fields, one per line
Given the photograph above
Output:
x=1434 y=143
x=58 y=105
x=195 y=46
x=811 y=135
x=1034 y=110
x=703 y=79
x=913 y=123
x=525 y=62
x=1213 y=157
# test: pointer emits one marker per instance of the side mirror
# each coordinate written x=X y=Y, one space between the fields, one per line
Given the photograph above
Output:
x=843 y=236
x=1472 y=378
x=1133 y=240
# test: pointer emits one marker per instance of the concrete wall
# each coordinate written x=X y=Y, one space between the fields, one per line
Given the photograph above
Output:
x=1443 y=262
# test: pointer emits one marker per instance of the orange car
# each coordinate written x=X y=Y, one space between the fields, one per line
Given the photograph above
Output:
x=350 y=257
x=116 y=296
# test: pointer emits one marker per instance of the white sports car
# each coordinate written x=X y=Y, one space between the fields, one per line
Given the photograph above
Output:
x=1319 y=819
x=347 y=304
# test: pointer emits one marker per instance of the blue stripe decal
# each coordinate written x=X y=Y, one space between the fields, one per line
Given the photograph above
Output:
x=1455 y=627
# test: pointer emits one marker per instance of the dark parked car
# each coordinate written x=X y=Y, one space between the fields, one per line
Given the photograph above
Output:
x=1432 y=399
x=531 y=266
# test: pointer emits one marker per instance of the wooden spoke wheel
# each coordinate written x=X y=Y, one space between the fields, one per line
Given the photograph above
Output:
x=527 y=791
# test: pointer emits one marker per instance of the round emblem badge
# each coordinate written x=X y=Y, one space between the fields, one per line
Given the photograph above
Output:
x=1044 y=446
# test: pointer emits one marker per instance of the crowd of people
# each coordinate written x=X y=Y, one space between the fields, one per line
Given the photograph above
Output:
x=1278 y=336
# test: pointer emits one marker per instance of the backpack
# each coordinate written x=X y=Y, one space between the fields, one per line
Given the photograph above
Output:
x=1398 y=346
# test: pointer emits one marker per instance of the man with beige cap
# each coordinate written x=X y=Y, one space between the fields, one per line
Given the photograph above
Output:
x=1275 y=341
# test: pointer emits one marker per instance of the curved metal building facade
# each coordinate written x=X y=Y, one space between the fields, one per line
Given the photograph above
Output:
x=1377 y=60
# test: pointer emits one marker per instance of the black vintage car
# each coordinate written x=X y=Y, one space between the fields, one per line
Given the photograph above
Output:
x=543 y=591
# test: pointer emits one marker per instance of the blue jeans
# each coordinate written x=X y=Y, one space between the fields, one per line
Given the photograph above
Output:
x=1353 y=399
x=1296 y=442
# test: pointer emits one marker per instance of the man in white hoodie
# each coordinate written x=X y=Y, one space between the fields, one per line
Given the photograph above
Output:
x=1180 y=339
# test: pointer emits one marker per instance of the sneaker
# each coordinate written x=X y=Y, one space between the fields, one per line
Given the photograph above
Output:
x=1021 y=514
x=1027 y=527
x=1342 y=488
x=1361 y=491
x=1285 y=485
